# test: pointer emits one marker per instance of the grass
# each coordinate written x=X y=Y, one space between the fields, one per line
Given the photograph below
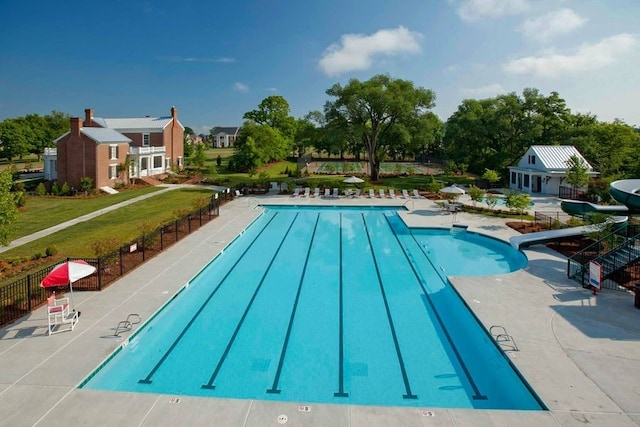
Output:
x=44 y=212
x=123 y=224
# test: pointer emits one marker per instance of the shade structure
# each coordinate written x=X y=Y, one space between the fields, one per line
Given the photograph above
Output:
x=353 y=180
x=452 y=189
x=67 y=273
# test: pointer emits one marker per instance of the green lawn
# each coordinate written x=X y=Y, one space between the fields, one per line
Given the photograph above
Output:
x=43 y=212
x=123 y=224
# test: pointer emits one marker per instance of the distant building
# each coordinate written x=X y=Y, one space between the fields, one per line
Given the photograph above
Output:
x=224 y=137
x=99 y=147
x=543 y=169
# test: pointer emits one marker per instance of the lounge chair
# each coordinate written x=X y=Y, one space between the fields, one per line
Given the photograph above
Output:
x=238 y=193
x=58 y=314
x=316 y=192
x=307 y=191
x=296 y=192
x=335 y=193
x=348 y=192
x=357 y=193
x=381 y=192
x=392 y=193
x=416 y=194
x=327 y=193
x=405 y=194
x=445 y=206
x=372 y=193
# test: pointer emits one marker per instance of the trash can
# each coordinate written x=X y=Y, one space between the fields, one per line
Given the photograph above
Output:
x=637 y=299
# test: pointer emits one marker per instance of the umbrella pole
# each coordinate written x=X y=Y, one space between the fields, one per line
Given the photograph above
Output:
x=73 y=305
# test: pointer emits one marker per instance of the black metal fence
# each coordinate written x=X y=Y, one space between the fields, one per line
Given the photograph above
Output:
x=24 y=295
x=551 y=220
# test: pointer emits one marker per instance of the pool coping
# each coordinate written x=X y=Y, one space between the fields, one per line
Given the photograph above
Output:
x=575 y=369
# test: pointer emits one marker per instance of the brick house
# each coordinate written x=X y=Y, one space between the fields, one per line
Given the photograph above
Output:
x=99 y=147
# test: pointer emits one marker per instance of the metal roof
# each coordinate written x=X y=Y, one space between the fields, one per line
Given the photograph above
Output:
x=103 y=135
x=134 y=124
x=556 y=156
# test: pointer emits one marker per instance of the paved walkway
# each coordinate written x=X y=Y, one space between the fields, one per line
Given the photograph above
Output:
x=579 y=352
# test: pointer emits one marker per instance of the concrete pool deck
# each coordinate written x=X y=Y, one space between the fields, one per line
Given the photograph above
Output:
x=579 y=352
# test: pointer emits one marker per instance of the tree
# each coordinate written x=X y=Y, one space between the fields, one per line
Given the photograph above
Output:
x=577 y=172
x=257 y=145
x=199 y=157
x=8 y=207
x=373 y=107
x=476 y=194
x=517 y=201
x=491 y=176
x=273 y=111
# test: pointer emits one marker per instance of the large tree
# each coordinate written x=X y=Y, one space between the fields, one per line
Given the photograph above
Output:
x=373 y=107
x=273 y=111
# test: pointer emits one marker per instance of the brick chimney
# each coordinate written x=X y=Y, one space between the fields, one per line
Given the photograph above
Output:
x=88 y=116
x=76 y=125
x=174 y=113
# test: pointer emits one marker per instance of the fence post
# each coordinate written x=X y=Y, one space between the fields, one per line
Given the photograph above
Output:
x=161 y=239
x=29 y=291
x=121 y=267
x=99 y=274
x=176 y=228
x=189 y=222
x=144 y=248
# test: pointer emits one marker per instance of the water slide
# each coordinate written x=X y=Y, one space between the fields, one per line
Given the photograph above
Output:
x=625 y=191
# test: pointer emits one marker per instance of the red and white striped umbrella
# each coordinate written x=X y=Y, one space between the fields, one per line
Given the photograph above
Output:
x=67 y=273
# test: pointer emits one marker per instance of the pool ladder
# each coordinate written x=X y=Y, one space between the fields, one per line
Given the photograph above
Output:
x=504 y=340
x=127 y=325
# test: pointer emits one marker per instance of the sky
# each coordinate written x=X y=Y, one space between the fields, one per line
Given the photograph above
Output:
x=214 y=60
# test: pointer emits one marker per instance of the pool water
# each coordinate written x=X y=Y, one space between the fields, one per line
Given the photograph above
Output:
x=329 y=305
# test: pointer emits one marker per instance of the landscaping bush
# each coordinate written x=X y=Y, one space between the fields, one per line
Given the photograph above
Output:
x=41 y=190
x=51 y=250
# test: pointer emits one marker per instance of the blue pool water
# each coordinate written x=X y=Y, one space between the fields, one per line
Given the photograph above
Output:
x=329 y=305
x=501 y=201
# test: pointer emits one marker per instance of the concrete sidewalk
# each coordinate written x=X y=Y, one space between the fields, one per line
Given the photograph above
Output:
x=579 y=352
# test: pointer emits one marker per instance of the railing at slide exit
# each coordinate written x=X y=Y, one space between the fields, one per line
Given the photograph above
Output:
x=613 y=253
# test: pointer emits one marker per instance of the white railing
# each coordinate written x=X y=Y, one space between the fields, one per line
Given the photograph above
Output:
x=146 y=150
x=48 y=151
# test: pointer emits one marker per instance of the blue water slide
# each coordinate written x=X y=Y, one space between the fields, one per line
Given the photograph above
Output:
x=627 y=192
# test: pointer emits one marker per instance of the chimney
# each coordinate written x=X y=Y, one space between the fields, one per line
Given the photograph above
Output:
x=76 y=125
x=88 y=116
x=174 y=113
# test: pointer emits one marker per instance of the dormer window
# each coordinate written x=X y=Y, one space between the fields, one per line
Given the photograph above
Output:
x=532 y=159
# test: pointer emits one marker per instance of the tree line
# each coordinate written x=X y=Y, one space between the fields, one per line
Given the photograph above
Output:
x=385 y=118
x=30 y=134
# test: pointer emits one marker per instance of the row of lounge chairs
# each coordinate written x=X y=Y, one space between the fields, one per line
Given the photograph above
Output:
x=335 y=193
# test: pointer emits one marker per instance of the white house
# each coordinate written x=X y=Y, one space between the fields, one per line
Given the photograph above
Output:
x=543 y=169
x=225 y=136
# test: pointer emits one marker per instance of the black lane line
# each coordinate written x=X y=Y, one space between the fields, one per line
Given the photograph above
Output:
x=274 y=388
x=477 y=395
x=147 y=379
x=341 y=392
x=209 y=385
x=407 y=386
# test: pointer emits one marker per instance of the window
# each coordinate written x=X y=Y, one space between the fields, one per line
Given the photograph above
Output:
x=157 y=162
x=526 y=181
x=113 y=171
x=533 y=160
x=113 y=152
x=513 y=177
x=144 y=163
x=145 y=139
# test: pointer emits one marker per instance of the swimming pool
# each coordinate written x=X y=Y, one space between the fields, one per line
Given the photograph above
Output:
x=501 y=200
x=329 y=305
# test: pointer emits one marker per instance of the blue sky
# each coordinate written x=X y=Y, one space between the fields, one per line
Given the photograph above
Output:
x=216 y=60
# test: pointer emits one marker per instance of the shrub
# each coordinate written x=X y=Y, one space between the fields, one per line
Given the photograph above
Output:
x=21 y=199
x=36 y=256
x=55 y=189
x=65 y=190
x=86 y=183
x=41 y=190
x=51 y=250
x=106 y=249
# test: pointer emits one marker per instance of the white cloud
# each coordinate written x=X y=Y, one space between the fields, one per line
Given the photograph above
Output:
x=552 y=24
x=240 y=87
x=272 y=89
x=356 y=51
x=473 y=10
x=587 y=57
x=222 y=59
x=484 y=91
